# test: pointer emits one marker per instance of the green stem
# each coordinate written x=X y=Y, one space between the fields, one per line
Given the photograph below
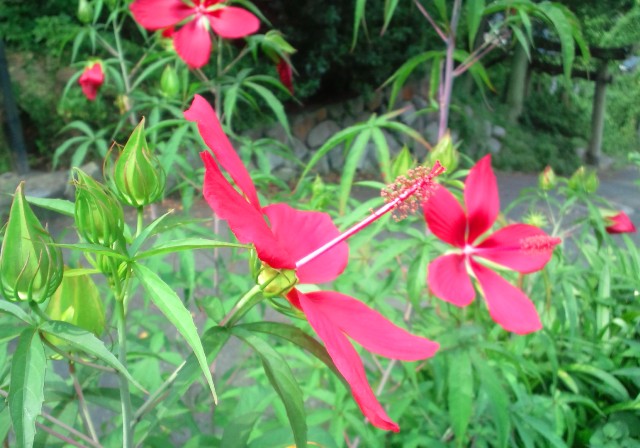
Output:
x=241 y=308
x=123 y=68
x=82 y=403
x=140 y=222
x=36 y=309
x=125 y=396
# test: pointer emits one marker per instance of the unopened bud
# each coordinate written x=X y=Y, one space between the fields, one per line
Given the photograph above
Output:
x=584 y=180
x=169 y=82
x=136 y=177
x=547 y=180
x=402 y=163
x=99 y=215
x=85 y=11
x=76 y=301
x=536 y=219
x=446 y=153
x=276 y=282
x=30 y=264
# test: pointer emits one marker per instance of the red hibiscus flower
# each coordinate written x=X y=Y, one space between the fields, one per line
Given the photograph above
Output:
x=192 y=41
x=286 y=74
x=289 y=236
x=519 y=247
x=620 y=223
x=91 y=80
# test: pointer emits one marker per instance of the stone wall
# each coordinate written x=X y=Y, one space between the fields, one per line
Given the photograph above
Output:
x=312 y=127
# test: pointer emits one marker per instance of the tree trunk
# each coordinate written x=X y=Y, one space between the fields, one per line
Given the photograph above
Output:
x=517 y=83
x=597 y=117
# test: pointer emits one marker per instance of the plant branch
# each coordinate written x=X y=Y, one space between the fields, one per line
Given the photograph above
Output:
x=474 y=57
x=125 y=396
x=431 y=21
x=447 y=76
x=82 y=403
x=154 y=398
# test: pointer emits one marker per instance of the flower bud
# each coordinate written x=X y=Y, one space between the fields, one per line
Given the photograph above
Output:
x=446 y=153
x=76 y=301
x=85 y=11
x=402 y=163
x=30 y=265
x=169 y=82
x=276 y=282
x=136 y=177
x=584 y=180
x=99 y=216
x=547 y=180
x=536 y=219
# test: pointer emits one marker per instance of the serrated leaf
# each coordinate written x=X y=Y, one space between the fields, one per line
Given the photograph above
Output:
x=61 y=206
x=86 y=342
x=283 y=382
x=172 y=307
x=146 y=233
x=26 y=392
x=460 y=397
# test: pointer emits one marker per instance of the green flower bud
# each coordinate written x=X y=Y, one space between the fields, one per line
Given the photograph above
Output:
x=276 y=282
x=536 y=219
x=76 y=301
x=547 y=180
x=85 y=11
x=99 y=215
x=584 y=180
x=446 y=153
x=402 y=163
x=30 y=265
x=136 y=177
x=169 y=82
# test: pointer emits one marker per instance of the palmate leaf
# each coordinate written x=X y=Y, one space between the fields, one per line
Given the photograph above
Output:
x=26 y=392
x=172 y=307
x=283 y=382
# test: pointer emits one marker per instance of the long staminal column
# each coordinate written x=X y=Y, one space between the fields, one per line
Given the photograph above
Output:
x=403 y=196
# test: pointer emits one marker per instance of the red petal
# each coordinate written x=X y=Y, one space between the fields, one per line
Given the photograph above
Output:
x=620 y=223
x=508 y=306
x=448 y=280
x=348 y=362
x=300 y=233
x=481 y=198
x=507 y=247
x=245 y=221
x=231 y=22
x=193 y=42
x=211 y=131
x=156 y=14
x=91 y=80
x=445 y=217
x=286 y=74
x=369 y=328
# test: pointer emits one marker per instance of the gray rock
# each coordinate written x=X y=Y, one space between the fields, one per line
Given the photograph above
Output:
x=277 y=132
x=321 y=133
x=408 y=116
x=494 y=145
x=499 y=132
x=431 y=132
x=356 y=106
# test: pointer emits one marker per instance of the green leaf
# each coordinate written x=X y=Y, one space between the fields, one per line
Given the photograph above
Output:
x=15 y=310
x=475 y=10
x=238 y=430
x=94 y=249
x=283 y=382
x=604 y=381
x=274 y=104
x=383 y=153
x=26 y=392
x=296 y=336
x=354 y=154
x=146 y=233
x=564 y=30
x=172 y=307
x=358 y=19
x=400 y=76
x=460 y=379
x=524 y=43
x=87 y=342
x=498 y=400
x=185 y=244
x=389 y=9
x=61 y=206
